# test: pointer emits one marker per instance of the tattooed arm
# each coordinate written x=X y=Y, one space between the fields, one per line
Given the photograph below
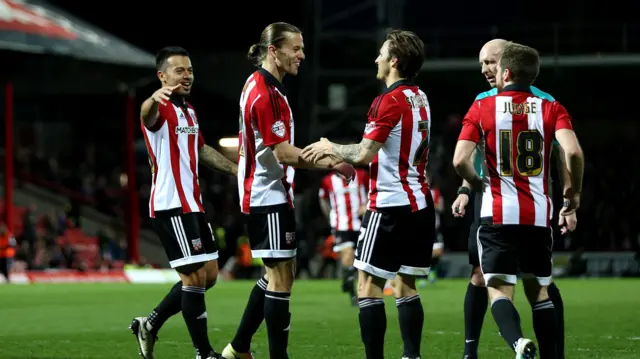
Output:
x=215 y=160
x=359 y=154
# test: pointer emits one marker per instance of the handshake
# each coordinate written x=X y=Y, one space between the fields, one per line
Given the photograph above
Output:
x=323 y=151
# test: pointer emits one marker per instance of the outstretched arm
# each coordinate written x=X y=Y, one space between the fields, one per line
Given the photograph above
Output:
x=359 y=154
x=211 y=158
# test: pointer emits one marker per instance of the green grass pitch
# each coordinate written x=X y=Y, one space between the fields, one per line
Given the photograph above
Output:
x=90 y=321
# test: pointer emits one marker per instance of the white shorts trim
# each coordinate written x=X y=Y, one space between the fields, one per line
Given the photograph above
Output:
x=507 y=278
x=417 y=271
x=342 y=246
x=374 y=271
x=194 y=259
x=543 y=281
x=272 y=253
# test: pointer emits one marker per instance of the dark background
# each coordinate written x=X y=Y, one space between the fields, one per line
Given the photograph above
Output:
x=600 y=97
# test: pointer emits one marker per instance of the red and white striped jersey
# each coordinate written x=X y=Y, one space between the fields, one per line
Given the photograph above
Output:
x=400 y=119
x=265 y=120
x=518 y=129
x=345 y=198
x=173 y=144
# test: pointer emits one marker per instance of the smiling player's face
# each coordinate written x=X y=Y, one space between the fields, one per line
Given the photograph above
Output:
x=290 y=54
x=178 y=71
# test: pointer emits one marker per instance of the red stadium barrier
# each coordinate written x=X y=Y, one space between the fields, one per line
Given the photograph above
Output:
x=128 y=275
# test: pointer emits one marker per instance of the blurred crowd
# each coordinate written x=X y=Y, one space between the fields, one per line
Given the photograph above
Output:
x=91 y=177
x=52 y=241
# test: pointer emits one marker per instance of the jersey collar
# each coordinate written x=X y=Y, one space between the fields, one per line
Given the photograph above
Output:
x=178 y=100
x=271 y=80
x=397 y=84
x=518 y=88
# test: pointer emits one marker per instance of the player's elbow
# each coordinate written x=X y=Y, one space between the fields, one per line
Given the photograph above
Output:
x=280 y=157
x=364 y=158
x=462 y=154
x=459 y=161
x=282 y=154
x=574 y=152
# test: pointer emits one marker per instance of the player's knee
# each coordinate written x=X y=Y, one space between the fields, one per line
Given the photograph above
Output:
x=193 y=275
x=280 y=273
x=211 y=269
x=498 y=288
x=347 y=257
x=209 y=283
x=370 y=286
x=477 y=279
x=404 y=286
x=534 y=291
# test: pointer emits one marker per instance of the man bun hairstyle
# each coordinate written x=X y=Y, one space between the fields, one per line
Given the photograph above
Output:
x=273 y=34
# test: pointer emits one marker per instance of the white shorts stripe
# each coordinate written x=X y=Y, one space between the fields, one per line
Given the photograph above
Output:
x=270 y=230
x=184 y=236
x=365 y=239
x=277 y=223
x=174 y=224
x=370 y=237
x=273 y=224
x=373 y=234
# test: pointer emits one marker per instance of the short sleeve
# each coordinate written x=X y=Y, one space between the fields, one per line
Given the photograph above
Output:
x=162 y=118
x=272 y=129
x=471 y=124
x=563 y=119
x=383 y=117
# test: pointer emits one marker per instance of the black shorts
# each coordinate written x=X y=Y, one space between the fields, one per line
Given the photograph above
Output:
x=506 y=250
x=395 y=240
x=187 y=238
x=272 y=232
x=476 y=205
x=345 y=239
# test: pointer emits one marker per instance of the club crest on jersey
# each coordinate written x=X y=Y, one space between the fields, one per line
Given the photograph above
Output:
x=186 y=130
x=278 y=129
x=197 y=244
x=290 y=237
x=369 y=127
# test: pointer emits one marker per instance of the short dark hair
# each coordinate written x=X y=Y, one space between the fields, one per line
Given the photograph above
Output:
x=164 y=54
x=271 y=35
x=407 y=47
x=523 y=62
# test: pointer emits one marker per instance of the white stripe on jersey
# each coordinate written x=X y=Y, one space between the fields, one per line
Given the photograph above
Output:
x=536 y=184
